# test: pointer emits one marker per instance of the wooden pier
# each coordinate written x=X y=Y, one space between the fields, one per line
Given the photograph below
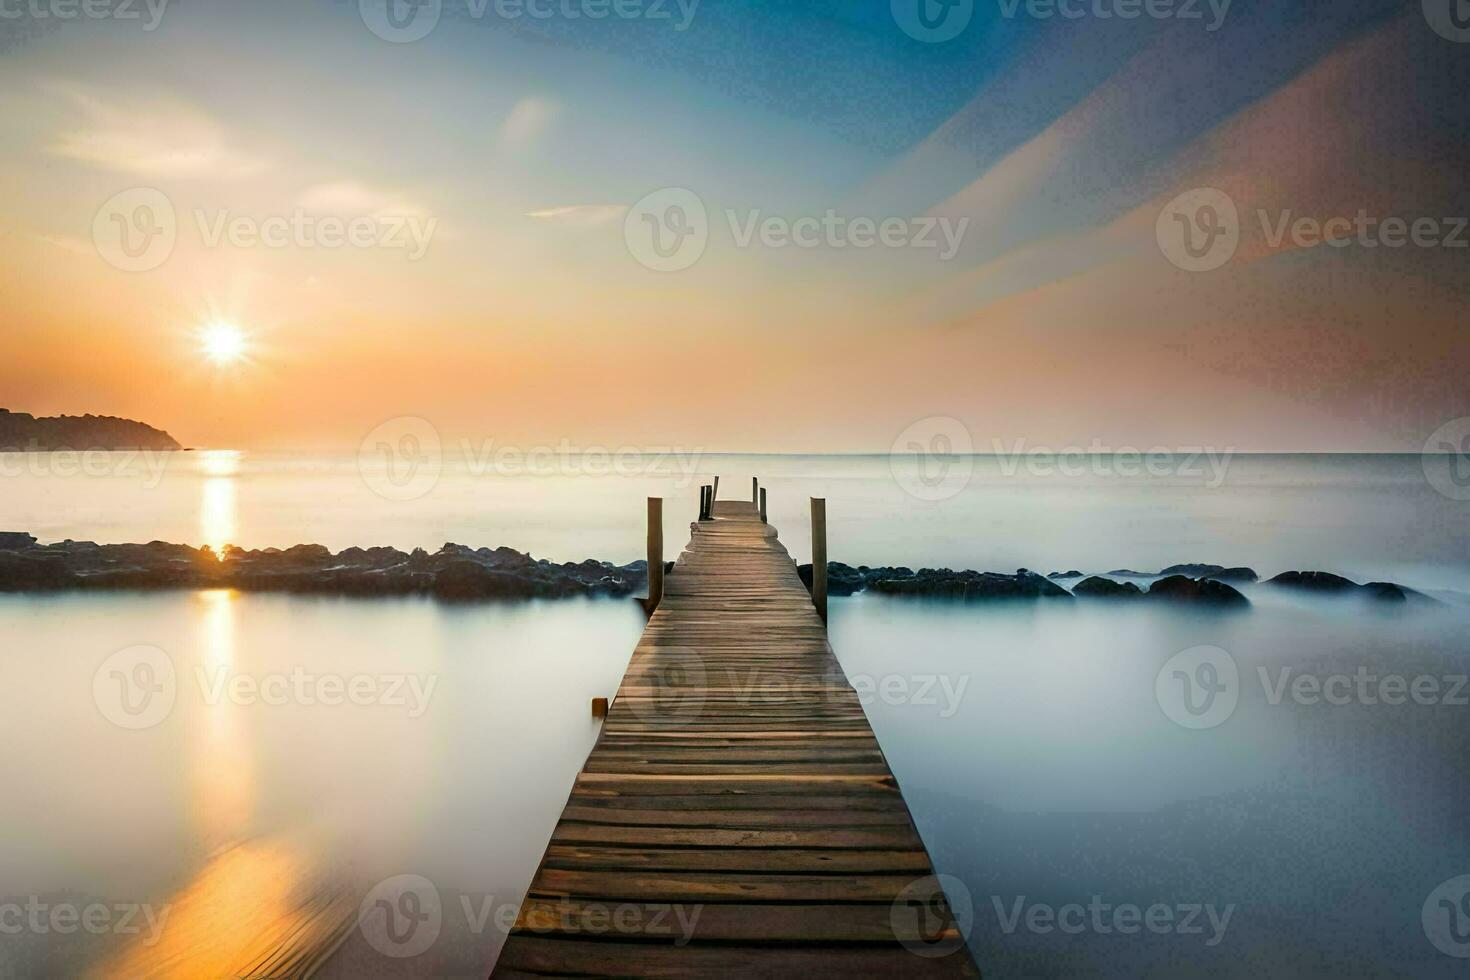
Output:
x=736 y=816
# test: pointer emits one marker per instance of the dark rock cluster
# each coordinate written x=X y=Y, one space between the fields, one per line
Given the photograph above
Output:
x=1326 y=583
x=939 y=582
x=453 y=572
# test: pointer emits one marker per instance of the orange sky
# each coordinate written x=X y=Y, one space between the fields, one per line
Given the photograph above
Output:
x=528 y=321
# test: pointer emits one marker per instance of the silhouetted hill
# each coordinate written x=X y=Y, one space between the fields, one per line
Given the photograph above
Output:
x=22 y=432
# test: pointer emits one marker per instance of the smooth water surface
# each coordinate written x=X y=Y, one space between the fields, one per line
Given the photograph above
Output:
x=1030 y=740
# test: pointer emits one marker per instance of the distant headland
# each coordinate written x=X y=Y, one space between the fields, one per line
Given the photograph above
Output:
x=21 y=432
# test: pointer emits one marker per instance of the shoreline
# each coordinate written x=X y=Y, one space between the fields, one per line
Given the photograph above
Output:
x=460 y=573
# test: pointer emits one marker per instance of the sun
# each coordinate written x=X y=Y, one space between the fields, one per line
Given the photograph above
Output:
x=223 y=343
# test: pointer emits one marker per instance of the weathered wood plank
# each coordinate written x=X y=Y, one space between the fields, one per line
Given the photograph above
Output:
x=737 y=816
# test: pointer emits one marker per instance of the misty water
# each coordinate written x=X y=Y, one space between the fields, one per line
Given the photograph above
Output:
x=1036 y=744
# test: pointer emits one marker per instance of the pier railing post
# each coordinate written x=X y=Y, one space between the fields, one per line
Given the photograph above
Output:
x=819 y=556
x=655 y=553
x=714 y=495
x=755 y=491
x=763 y=506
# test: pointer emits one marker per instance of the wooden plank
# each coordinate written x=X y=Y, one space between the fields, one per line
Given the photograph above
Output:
x=737 y=815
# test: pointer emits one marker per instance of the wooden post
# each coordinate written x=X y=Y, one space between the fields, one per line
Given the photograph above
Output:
x=655 y=553
x=704 y=504
x=599 y=707
x=713 y=496
x=755 y=492
x=763 y=506
x=819 y=556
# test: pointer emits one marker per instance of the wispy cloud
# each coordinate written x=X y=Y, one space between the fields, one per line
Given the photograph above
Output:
x=154 y=139
x=581 y=215
x=526 y=121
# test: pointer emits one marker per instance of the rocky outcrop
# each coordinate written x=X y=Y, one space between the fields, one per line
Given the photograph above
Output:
x=20 y=432
x=1072 y=574
x=1202 y=591
x=935 y=582
x=453 y=572
x=1326 y=583
x=1098 y=587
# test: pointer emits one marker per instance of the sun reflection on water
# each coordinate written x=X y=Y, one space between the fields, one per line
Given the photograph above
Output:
x=218 y=506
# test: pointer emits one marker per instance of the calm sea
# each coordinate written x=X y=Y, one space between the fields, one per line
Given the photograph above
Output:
x=1116 y=790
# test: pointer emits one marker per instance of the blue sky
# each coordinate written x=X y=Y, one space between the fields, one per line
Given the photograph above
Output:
x=1057 y=141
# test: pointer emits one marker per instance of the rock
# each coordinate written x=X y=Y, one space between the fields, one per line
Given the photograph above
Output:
x=1072 y=574
x=1314 y=582
x=841 y=579
x=463 y=579
x=1192 y=570
x=1097 y=587
x=11 y=540
x=1241 y=574
x=1130 y=573
x=1180 y=588
x=1326 y=583
x=455 y=572
x=968 y=585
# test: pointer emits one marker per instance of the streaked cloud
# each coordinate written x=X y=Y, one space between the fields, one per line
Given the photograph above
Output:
x=148 y=138
x=581 y=215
